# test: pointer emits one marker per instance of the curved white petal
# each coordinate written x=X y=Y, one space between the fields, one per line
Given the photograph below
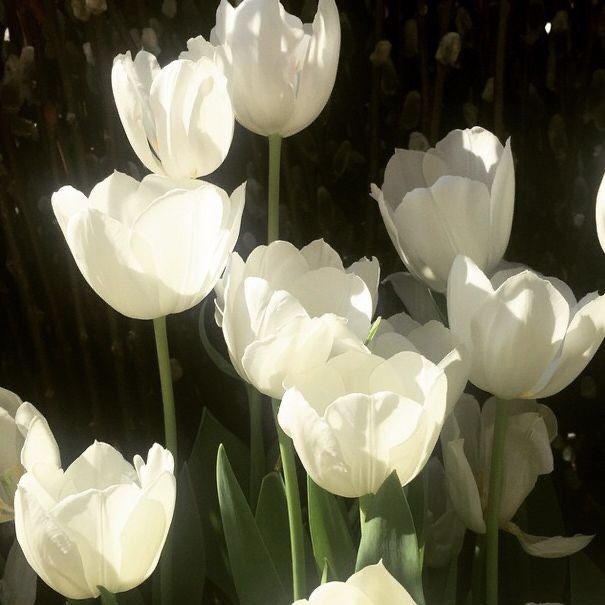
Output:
x=549 y=547
x=380 y=586
x=40 y=445
x=600 y=213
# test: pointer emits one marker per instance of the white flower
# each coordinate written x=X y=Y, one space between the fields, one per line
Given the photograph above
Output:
x=457 y=198
x=466 y=442
x=150 y=248
x=373 y=585
x=287 y=310
x=280 y=71
x=433 y=340
x=359 y=417
x=526 y=334
x=178 y=119
x=600 y=213
x=101 y=522
x=11 y=443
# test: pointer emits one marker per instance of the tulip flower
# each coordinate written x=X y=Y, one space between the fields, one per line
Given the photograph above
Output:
x=600 y=213
x=444 y=531
x=526 y=335
x=466 y=442
x=358 y=417
x=150 y=248
x=100 y=522
x=178 y=119
x=373 y=585
x=433 y=340
x=457 y=198
x=10 y=450
x=288 y=310
x=280 y=71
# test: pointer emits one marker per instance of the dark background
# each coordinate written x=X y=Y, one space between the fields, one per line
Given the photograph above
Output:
x=93 y=372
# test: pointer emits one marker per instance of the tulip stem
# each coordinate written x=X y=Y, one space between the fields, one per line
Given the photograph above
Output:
x=257 y=448
x=295 y=521
x=161 y=345
x=493 y=504
x=274 y=169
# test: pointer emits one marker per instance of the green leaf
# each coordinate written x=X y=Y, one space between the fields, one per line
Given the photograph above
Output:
x=388 y=533
x=272 y=522
x=188 y=557
x=219 y=361
x=256 y=579
x=330 y=535
x=416 y=494
x=202 y=471
x=587 y=581
x=107 y=598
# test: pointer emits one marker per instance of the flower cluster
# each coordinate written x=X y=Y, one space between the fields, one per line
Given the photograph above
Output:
x=362 y=400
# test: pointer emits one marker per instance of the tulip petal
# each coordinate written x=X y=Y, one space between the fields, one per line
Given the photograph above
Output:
x=40 y=446
x=369 y=271
x=449 y=218
x=336 y=592
x=131 y=82
x=10 y=444
x=380 y=586
x=320 y=254
x=549 y=547
x=403 y=173
x=516 y=334
x=462 y=486
x=584 y=336
x=280 y=264
x=67 y=202
x=415 y=296
x=49 y=549
x=318 y=72
x=600 y=213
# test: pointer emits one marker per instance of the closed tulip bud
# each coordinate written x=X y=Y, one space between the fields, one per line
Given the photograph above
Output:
x=373 y=585
x=287 y=310
x=449 y=49
x=454 y=199
x=433 y=340
x=152 y=248
x=178 y=119
x=10 y=450
x=359 y=417
x=466 y=442
x=280 y=71
x=527 y=336
x=100 y=522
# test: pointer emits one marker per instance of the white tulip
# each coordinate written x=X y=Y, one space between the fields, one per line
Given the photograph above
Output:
x=288 y=310
x=11 y=443
x=280 y=71
x=457 y=198
x=359 y=417
x=373 y=585
x=179 y=119
x=150 y=248
x=526 y=334
x=433 y=340
x=101 y=522
x=466 y=442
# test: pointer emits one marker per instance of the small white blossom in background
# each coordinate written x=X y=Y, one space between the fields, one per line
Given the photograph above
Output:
x=457 y=198
x=153 y=247
x=526 y=334
x=184 y=135
x=359 y=417
x=286 y=310
x=100 y=522
x=466 y=442
x=280 y=71
x=373 y=585
x=83 y=9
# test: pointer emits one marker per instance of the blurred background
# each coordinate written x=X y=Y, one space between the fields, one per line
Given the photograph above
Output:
x=410 y=71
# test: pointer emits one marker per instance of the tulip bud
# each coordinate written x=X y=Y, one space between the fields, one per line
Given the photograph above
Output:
x=449 y=49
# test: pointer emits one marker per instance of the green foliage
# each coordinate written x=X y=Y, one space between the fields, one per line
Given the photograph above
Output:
x=330 y=535
x=254 y=573
x=388 y=533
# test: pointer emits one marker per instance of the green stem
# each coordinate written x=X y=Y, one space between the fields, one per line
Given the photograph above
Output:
x=161 y=344
x=107 y=598
x=273 y=207
x=257 y=448
x=493 y=505
x=295 y=521
x=478 y=589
